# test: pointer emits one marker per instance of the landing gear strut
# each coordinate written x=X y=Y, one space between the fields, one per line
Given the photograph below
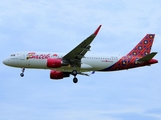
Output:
x=74 y=73
x=23 y=70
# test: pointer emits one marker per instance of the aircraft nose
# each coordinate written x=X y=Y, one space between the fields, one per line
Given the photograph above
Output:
x=5 y=61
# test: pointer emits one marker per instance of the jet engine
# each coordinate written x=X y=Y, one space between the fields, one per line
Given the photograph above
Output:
x=55 y=74
x=54 y=63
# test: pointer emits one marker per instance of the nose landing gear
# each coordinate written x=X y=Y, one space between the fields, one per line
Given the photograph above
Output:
x=23 y=70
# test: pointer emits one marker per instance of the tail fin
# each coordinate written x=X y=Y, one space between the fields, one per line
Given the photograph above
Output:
x=143 y=48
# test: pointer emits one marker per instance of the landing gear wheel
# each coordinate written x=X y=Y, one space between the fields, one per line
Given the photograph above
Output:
x=74 y=72
x=75 y=80
x=23 y=70
x=22 y=74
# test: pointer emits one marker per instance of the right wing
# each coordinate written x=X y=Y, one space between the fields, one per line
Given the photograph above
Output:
x=74 y=56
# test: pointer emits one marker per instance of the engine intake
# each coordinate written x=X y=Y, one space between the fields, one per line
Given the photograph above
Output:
x=54 y=63
x=55 y=74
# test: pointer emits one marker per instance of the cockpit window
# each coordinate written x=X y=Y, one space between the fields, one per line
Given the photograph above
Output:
x=12 y=54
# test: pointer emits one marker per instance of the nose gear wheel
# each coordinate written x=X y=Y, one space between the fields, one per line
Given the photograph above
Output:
x=23 y=70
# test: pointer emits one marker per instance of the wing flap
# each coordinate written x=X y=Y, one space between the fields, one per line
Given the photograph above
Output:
x=147 y=57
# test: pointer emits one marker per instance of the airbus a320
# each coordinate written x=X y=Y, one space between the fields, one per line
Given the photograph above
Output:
x=75 y=62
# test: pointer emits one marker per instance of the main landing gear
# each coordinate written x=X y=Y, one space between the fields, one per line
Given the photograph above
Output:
x=23 y=70
x=74 y=73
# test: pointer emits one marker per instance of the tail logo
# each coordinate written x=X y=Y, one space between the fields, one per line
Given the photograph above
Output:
x=143 y=47
x=141 y=50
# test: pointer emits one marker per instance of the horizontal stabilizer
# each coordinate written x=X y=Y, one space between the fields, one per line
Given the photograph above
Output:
x=147 y=57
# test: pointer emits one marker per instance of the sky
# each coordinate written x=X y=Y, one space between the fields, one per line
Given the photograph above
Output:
x=60 y=25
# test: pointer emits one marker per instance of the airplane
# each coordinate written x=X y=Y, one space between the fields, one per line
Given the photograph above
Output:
x=75 y=62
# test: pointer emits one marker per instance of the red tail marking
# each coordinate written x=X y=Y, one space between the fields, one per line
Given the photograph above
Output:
x=152 y=61
x=143 y=47
x=140 y=50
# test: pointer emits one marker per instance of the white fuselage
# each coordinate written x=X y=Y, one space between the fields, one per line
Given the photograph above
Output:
x=38 y=60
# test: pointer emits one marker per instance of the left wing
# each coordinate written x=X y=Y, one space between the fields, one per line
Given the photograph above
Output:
x=74 y=56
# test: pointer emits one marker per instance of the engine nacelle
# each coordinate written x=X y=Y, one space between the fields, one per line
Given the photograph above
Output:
x=54 y=63
x=55 y=74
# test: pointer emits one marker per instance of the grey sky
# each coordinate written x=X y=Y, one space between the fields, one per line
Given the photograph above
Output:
x=58 y=26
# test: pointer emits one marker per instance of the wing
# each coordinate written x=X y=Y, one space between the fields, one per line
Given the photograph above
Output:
x=74 y=56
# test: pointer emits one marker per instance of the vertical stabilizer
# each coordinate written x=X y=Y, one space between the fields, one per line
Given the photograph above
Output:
x=143 y=48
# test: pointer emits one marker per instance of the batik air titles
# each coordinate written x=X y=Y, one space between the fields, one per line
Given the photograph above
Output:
x=77 y=62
